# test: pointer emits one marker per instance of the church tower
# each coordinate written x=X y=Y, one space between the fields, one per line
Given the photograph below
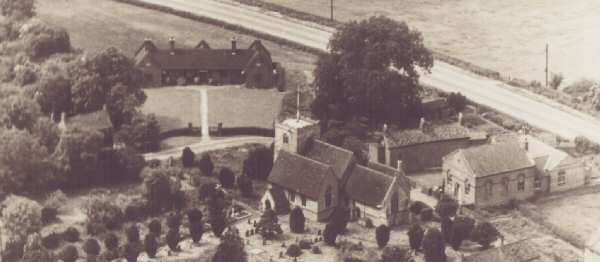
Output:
x=293 y=134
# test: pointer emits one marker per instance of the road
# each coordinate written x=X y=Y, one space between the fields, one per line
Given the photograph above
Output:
x=210 y=145
x=531 y=108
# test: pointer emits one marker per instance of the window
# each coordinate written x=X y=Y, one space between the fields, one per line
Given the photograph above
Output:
x=537 y=182
x=328 y=197
x=467 y=188
x=489 y=187
x=292 y=196
x=505 y=184
x=286 y=139
x=303 y=199
x=562 y=179
x=521 y=183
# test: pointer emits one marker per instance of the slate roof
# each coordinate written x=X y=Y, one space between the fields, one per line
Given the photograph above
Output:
x=368 y=186
x=416 y=136
x=338 y=158
x=301 y=174
x=520 y=251
x=97 y=120
x=491 y=159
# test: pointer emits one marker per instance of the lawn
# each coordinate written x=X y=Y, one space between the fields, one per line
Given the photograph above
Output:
x=233 y=106
x=508 y=36
x=95 y=25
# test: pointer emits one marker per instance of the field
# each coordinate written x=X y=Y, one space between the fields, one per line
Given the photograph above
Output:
x=175 y=107
x=508 y=36
x=96 y=25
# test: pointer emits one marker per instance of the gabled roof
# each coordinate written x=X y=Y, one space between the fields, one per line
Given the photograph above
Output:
x=520 y=251
x=281 y=202
x=202 y=44
x=338 y=158
x=392 y=172
x=97 y=120
x=538 y=149
x=417 y=136
x=298 y=173
x=491 y=159
x=368 y=186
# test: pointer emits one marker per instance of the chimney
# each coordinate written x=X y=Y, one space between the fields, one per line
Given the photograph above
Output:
x=172 y=44
x=233 y=43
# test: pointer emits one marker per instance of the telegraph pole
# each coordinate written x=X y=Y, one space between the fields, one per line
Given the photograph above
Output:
x=331 y=17
x=546 y=65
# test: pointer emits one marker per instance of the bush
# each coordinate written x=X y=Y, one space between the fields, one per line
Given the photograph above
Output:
x=13 y=250
x=206 y=191
x=91 y=247
x=415 y=237
x=133 y=234
x=426 y=214
x=369 y=223
x=297 y=220
x=69 y=254
x=416 y=207
x=330 y=234
x=316 y=249
x=21 y=217
x=457 y=101
x=48 y=215
x=104 y=212
x=194 y=216
x=485 y=233
x=174 y=221
x=305 y=244
x=173 y=239
x=226 y=178
x=556 y=80
x=51 y=241
x=259 y=163
x=206 y=165
x=294 y=250
x=446 y=227
x=461 y=230
x=446 y=207
x=151 y=245
x=111 y=241
x=161 y=191
x=433 y=246
x=187 y=157
x=339 y=219
x=394 y=254
x=196 y=231
x=472 y=120
x=71 y=234
x=155 y=227
x=382 y=235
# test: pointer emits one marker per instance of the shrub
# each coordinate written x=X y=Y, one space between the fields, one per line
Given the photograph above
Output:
x=472 y=120
x=297 y=220
x=330 y=234
x=155 y=227
x=369 y=223
x=173 y=238
x=71 y=234
x=206 y=191
x=305 y=244
x=91 y=247
x=457 y=101
x=382 y=235
x=196 y=231
x=133 y=234
x=21 y=216
x=131 y=252
x=316 y=249
x=187 y=157
x=426 y=214
x=161 y=192
x=51 y=241
x=461 y=230
x=446 y=207
x=55 y=200
x=259 y=163
x=48 y=215
x=556 y=80
x=217 y=224
x=69 y=254
x=415 y=237
x=231 y=248
x=416 y=207
x=446 y=227
x=174 y=221
x=104 y=212
x=394 y=254
x=94 y=229
x=194 y=216
x=111 y=241
x=226 y=178
x=151 y=245
x=13 y=250
x=485 y=233
x=206 y=165
x=268 y=226
x=293 y=250
x=433 y=246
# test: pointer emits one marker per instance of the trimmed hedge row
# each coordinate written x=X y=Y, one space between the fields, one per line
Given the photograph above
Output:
x=225 y=25
x=226 y=131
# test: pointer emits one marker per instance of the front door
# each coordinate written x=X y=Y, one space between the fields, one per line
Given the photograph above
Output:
x=268 y=204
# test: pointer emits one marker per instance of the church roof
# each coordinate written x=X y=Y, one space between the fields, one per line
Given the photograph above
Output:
x=301 y=174
x=338 y=158
x=368 y=186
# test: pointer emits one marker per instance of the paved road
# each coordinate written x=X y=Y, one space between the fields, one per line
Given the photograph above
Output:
x=531 y=108
x=210 y=145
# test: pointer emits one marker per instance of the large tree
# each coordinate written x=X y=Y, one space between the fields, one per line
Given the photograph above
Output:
x=433 y=246
x=17 y=9
x=19 y=111
x=77 y=156
x=231 y=248
x=268 y=226
x=142 y=133
x=371 y=71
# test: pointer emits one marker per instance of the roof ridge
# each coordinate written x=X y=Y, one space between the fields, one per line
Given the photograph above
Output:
x=326 y=166
x=333 y=146
x=374 y=171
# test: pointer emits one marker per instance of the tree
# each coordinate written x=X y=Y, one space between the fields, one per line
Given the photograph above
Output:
x=194 y=215
x=155 y=227
x=446 y=226
x=245 y=185
x=132 y=251
x=77 y=156
x=457 y=101
x=91 y=247
x=21 y=216
x=231 y=248
x=19 y=111
x=446 y=207
x=187 y=157
x=330 y=233
x=297 y=220
x=69 y=254
x=151 y=245
x=47 y=132
x=394 y=254
x=485 y=233
x=174 y=221
x=226 y=177
x=111 y=242
x=17 y=9
x=556 y=80
x=196 y=231
x=161 y=191
x=206 y=165
x=142 y=133
x=339 y=219
x=433 y=246
x=461 y=230
x=133 y=234
x=259 y=163
x=173 y=239
x=382 y=235
x=354 y=79
x=415 y=237
x=268 y=226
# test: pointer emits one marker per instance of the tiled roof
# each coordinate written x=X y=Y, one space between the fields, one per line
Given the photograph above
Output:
x=520 y=251
x=95 y=120
x=338 y=158
x=281 y=202
x=392 y=172
x=417 y=136
x=298 y=173
x=368 y=186
x=496 y=158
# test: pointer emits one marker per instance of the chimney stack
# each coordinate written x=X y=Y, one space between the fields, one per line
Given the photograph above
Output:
x=172 y=44
x=233 y=43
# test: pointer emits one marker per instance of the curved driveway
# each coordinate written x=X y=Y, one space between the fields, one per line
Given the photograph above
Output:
x=531 y=108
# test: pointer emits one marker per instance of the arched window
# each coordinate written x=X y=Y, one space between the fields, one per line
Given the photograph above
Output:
x=521 y=182
x=286 y=139
x=328 y=197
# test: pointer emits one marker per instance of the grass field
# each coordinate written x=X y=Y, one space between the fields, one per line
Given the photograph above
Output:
x=95 y=25
x=508 y=36
x=233 y=106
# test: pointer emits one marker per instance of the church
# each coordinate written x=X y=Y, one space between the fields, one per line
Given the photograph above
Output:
x=319 y=177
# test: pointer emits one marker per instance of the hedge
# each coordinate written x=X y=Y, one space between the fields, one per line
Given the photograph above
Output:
x=226 y=131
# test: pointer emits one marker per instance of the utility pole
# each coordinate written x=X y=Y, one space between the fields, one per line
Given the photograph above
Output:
x=331 y=17
x=546 y=65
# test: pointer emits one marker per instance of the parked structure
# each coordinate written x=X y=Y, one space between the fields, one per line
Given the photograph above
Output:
x=490 y=175
x=320 y=177
x=203 y=65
